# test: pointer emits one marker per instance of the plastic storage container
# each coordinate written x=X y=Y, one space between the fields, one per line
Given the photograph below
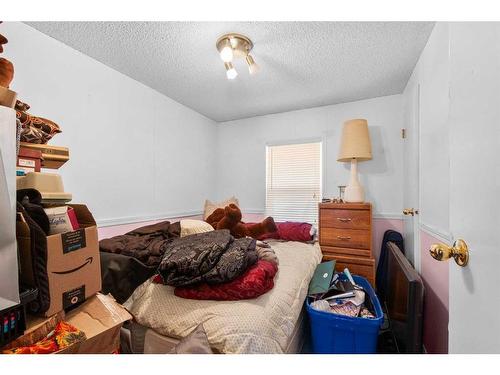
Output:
x=339 y=334
x=49 y=185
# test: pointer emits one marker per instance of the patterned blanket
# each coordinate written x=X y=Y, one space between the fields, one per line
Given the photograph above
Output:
x=213 y=257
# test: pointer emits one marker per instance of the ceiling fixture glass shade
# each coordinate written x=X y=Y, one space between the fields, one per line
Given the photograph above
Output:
x=226 y=53
x=231 y=46
x=231 y=73
x=253 y=68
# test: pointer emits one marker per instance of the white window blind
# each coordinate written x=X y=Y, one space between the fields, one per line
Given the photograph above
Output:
x=293 y=182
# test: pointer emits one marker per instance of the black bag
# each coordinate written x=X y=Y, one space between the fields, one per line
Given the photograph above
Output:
x=381 y=276
x=122 y=274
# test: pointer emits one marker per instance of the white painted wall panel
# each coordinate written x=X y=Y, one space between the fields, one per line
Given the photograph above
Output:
x=432 y=73
x=241 y=164
x=134 y=153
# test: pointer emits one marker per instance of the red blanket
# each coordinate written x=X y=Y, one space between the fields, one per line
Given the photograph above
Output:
x=257 y=280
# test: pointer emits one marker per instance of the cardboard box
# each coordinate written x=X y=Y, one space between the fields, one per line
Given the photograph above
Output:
x=53 y=156
x=29 y=160
x=100 y=317
x=73 y=263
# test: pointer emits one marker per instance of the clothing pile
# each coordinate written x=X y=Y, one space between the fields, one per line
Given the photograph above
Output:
x=130 y=259
x=146 y=244
x=216 y=266
x=212 y=265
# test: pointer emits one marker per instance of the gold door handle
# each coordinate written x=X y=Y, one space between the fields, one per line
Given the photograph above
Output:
x=410 y=211
x=459 y=251
x=344 y=219
x=343 y=238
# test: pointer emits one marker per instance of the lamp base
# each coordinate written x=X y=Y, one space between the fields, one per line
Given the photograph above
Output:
x=354 y=192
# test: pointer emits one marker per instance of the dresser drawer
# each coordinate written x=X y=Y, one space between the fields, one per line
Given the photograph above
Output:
x=346 y=238
x=357 y=266
x=345 y=219
x=346 y=251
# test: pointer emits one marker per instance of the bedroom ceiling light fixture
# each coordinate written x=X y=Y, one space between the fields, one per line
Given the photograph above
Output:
x=231 y=46
x=231 y=73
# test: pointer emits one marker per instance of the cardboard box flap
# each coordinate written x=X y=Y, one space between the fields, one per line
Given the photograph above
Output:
x=83 y=215
x=98 y=314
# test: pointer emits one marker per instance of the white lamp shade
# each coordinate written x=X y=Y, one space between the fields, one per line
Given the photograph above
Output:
x=355 y=142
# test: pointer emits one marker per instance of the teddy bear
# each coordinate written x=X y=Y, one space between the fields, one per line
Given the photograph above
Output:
x=230 y=216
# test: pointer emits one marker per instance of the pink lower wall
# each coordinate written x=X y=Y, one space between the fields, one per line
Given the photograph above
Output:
x=435 y=276
x=379 y=226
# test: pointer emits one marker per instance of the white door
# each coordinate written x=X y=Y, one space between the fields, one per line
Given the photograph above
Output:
x=411 y=174
x=474 y=305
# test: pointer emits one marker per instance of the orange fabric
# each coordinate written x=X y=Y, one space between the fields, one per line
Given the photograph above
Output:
x=63 y=335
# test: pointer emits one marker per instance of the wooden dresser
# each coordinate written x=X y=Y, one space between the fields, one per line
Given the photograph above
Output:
x=345 y=234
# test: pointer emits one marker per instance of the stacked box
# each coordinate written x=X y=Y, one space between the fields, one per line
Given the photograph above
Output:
x=73 y=263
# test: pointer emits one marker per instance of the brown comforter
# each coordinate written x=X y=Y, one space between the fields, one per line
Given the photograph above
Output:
x=146 y=244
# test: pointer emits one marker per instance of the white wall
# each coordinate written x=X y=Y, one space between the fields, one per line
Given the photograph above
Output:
x=135 y=154
x=432 y=73
x=242 y=143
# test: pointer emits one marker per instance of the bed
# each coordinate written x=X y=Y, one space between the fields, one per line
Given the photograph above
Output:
x=271 y=323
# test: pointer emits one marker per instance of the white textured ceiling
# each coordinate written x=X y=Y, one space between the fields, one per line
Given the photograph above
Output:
x=304 y=64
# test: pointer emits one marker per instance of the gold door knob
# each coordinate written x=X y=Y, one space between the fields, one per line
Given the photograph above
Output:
x=459 y=251
x=410 y=211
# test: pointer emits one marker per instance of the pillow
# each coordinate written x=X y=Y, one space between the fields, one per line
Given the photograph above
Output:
x=194 y=343
x=210 y=207
x=189 y=226
x=291 y=231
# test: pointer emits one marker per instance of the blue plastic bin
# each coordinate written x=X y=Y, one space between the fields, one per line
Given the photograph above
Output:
x=339 y=334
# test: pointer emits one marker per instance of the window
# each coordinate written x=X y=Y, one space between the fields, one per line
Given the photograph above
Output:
x=293 y=182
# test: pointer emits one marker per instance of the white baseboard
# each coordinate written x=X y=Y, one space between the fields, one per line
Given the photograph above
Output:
x=388 y=216
x=139 y=219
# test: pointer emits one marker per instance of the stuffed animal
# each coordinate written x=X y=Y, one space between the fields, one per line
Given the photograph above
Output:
x=35 y=129
x=230 y=216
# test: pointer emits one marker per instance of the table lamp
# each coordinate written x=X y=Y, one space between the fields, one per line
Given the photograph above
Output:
x=355 y=146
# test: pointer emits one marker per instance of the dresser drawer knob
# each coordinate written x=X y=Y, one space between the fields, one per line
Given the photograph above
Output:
x=343 y=238
x=344 y=219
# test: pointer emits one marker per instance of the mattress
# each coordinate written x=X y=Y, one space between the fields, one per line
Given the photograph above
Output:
x=262 y=325
x=137 y=339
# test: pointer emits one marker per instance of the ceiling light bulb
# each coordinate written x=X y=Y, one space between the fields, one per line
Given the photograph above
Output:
x=231 y=73
x=226 y=54
x=253 y=68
